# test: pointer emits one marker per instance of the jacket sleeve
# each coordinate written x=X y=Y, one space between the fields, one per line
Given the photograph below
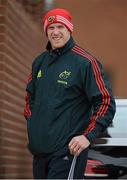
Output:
x=29 y=98
x=100 y=96
x=30 y=87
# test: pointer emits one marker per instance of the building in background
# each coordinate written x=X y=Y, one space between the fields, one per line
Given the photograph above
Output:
x=99 y=26
x=20 y=41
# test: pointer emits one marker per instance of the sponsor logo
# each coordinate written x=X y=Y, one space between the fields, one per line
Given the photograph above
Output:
x=39 y=74
x=66 y=158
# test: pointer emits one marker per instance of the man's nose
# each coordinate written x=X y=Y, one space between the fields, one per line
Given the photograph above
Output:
x=56 y=30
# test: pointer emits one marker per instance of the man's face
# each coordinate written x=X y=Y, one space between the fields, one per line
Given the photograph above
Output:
x=58 y=35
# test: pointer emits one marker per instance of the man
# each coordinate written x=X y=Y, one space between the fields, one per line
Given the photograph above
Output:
x=68 y=104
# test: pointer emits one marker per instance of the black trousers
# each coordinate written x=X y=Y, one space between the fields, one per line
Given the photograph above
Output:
x=57 y=165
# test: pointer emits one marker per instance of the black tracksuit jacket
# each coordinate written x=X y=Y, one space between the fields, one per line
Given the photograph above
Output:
x=68 y=94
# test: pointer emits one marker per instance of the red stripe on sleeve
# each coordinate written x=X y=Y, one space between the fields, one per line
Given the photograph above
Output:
x=29 y=78
x=27 y=111
x=100 y=83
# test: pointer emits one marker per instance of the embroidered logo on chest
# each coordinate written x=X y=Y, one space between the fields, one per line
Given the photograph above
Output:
x=39 y=74
x=63 y=77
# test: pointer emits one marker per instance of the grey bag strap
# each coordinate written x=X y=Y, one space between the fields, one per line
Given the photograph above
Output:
x=72 y=168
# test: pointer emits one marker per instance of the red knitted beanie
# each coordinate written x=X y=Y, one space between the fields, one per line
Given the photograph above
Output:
x=58 y=16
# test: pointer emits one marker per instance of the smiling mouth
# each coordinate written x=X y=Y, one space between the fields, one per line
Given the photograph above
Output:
x=56 y=38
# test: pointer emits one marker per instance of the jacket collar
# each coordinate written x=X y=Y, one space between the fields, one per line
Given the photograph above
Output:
x=62 y=50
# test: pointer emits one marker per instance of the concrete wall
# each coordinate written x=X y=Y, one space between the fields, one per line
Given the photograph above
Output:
x=100 y=26
x=20 y=42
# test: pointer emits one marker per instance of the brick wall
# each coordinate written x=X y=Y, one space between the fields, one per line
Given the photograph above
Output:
x=20 y=42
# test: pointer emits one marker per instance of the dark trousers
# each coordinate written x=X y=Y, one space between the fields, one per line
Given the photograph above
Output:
x=57 y=165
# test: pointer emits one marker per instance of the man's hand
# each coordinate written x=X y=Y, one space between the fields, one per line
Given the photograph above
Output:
x=78 y=144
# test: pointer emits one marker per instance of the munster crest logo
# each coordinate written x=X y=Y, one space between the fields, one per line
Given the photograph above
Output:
x=51 y=19
x=64 y=75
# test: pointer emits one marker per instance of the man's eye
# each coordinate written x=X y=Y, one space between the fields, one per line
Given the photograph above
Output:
x=50 y=28
x=60 y=27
